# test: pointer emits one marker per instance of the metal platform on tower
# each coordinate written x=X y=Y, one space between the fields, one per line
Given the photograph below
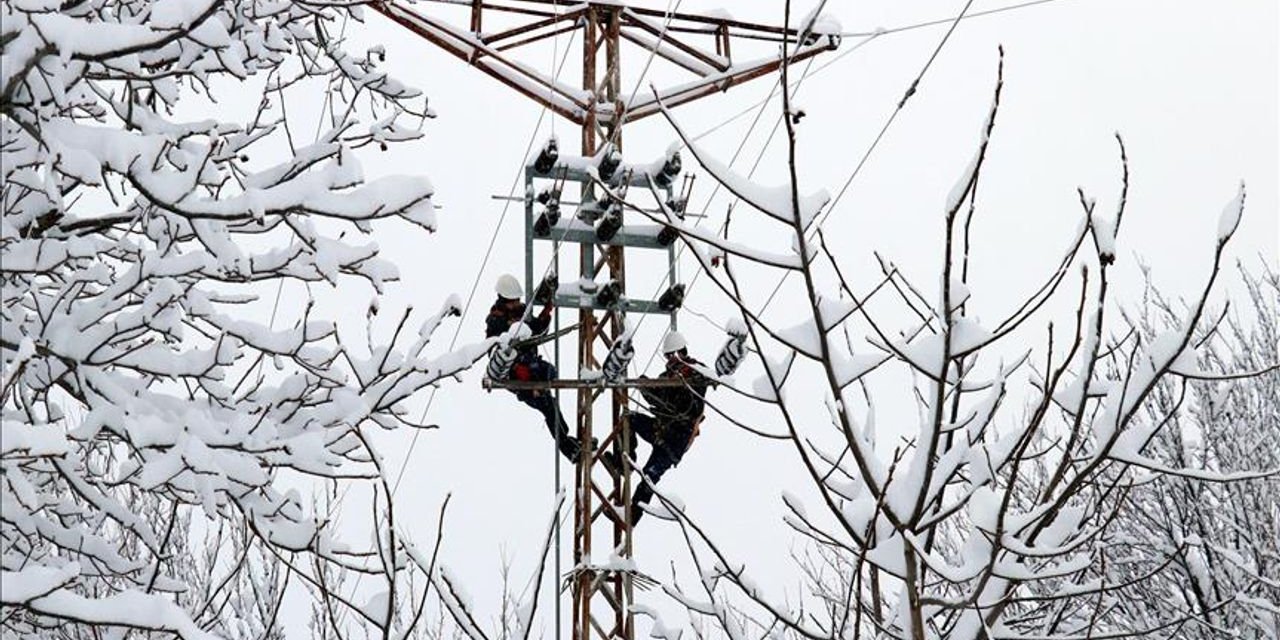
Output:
x=492 y=35
x=589 y=383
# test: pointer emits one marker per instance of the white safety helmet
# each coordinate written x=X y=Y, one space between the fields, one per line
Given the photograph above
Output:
x=673 y=342
x=508 y=287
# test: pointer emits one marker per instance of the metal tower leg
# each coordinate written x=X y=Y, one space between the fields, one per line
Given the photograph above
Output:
x=602 y=597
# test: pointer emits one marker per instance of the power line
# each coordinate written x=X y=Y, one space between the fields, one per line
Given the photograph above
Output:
x=938 y=21
x=867 y=37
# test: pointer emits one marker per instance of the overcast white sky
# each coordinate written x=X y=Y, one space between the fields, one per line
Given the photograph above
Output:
x=1192 y=87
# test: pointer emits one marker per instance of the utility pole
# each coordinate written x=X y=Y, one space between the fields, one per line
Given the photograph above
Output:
x=602 y=592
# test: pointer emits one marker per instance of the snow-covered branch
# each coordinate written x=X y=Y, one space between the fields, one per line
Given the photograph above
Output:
x=155 y=387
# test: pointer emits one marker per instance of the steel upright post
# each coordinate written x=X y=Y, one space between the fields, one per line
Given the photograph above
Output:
x=586 y=348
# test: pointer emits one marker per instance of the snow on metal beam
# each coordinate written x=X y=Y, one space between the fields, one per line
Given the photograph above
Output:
x=564 y=99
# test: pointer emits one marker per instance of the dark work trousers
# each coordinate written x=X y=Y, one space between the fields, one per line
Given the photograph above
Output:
x=670 y=440
x=544 y=401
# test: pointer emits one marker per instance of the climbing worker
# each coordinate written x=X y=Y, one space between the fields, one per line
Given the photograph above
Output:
x=508 y=310
x=677 y=415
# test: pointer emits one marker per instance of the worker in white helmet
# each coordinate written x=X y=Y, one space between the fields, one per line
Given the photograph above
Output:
x=677 y=414
x=507 y=311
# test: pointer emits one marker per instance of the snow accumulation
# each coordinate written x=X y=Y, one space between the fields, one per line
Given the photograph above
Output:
x=659 y=630
x=966 y=179
x=1231 y=214
x=129 y=608
x=777 y=369
x=709 y=237
x=67 y=34
x=1167 y=351
x=659 y=508
x=849 y=367
x=961 y=188
x=820 y=23
x=735 y=326
x=616 y=563
x=1104 y=234
x=23 y=586
x=36 y=440
x=803 y=337
x=378 y=606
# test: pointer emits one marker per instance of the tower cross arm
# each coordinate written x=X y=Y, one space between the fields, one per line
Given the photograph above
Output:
x=660 y=32
x=645 y=106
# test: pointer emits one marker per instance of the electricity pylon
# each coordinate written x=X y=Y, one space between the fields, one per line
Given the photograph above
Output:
x=602 y=590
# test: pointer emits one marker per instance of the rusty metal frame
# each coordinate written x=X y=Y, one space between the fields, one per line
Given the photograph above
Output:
x=468 y=47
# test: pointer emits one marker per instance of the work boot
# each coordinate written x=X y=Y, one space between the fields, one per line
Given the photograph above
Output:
x=639 y=497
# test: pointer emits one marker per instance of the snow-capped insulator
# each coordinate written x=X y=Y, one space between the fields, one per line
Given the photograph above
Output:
x=549 y=196
x=549 y=217
x=667 y=235
x=731 y=355
x=610 y=160
x=500 y=361
x=672 y=298
x=591 y=210
x=670 y=169
x=619 y=358
x=547 y=157
x=609 y=223
x=609 y=294
x=546 y=291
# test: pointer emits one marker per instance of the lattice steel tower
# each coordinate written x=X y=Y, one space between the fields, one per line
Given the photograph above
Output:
x=602 y=591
